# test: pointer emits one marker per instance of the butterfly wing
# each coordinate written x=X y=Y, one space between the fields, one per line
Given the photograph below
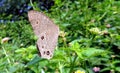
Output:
x=46 y=31
x=37 y=22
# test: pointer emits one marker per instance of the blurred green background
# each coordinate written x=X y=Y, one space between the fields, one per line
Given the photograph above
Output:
x=89 y=40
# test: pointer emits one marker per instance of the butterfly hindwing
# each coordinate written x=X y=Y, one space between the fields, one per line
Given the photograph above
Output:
x=46 y=31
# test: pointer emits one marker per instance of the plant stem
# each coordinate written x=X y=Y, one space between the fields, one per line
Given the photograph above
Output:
x=32 y=4
x=6 y=54
x=72 y=64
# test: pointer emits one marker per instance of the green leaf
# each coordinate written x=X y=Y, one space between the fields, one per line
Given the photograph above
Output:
x=91 y=52
x=116 y=62
x=105 y=69
x=117 y=69
x=35 y=60
x=12 y=69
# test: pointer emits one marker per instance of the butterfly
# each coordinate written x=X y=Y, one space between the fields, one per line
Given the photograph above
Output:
x=46 y=31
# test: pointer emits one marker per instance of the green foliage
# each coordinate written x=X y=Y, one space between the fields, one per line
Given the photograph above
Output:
x=89 y=38
x=17 y=32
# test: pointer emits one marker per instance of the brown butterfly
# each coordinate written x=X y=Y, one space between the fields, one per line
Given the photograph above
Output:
x=46 y=31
